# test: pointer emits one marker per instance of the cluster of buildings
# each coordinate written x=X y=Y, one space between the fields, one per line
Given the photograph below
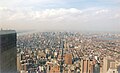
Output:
x=68 y=52
x=59 y=52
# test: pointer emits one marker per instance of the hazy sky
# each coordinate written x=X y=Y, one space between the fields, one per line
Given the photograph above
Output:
x=70 y=15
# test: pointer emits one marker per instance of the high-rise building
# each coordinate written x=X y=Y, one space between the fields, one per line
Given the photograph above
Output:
x=66 y=46
x=106 y=63
x=113 y=68
x=86 y=66
x=8 y=51
x=18 y=62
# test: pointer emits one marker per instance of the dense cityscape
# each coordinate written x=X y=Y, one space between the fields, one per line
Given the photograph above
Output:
x=59 y=36
x=68 y=52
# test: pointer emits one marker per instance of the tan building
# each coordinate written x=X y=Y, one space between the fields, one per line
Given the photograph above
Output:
x=41 y=54
x=66 y=46
x=101 y=67
x=18 y=62
x=106 y=64
x=68 y=58
x=55 y=69
x=113 y=68
x=86 y=66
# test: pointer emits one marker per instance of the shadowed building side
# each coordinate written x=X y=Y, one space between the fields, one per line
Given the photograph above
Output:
x=8 y=51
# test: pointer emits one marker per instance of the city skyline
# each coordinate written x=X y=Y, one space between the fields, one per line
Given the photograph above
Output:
x=77 y=15
x=68 y=52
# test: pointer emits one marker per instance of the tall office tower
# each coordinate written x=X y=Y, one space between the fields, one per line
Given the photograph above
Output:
x=18 y=62
x=113 y=68
x=8 y=51
x=86 y=66
x=96 y=68
x=106 y=63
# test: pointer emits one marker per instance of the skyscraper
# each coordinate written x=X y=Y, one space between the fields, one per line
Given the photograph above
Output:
x=8 y=52
x=86 y=66
x=106 y=63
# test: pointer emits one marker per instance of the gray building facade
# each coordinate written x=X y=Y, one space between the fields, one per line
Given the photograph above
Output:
x=8 y=51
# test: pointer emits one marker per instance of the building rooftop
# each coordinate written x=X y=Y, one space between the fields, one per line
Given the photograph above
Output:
x=2 y=32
